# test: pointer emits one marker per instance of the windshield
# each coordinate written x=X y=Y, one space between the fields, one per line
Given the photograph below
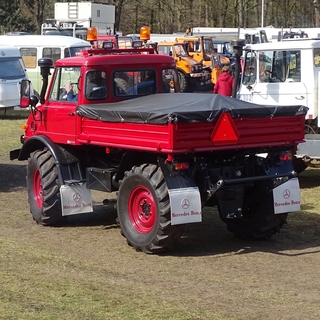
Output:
x=73 y=51
x=11 y=68
x=180 y=51
x=208 y=46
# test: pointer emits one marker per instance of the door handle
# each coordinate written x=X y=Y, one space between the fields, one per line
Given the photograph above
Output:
x=300 y=98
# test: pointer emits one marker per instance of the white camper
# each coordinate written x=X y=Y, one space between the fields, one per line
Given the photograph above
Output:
x=12 y=71
x=34 y=47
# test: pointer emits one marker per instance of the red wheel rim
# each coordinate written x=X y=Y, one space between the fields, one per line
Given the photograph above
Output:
x=142 y=209
x=37 y=189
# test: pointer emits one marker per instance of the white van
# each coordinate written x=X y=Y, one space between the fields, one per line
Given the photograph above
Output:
x=34 y=47
x=12 y=71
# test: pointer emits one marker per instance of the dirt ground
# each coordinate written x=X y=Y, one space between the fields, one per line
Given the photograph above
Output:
x=209 y=271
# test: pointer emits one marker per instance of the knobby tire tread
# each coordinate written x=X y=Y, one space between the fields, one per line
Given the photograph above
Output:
x=164 y=235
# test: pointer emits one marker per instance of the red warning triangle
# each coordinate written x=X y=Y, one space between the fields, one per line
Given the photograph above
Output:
x=225 y=131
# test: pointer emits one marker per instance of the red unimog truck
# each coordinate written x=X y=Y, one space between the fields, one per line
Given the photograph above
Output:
x=166 y=154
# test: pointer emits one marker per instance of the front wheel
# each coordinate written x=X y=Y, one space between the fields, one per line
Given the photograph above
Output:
x=144 y=210
x=183 y=81
x=43 y=188
x=258 y=220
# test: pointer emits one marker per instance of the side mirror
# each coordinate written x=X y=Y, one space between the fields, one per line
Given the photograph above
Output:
x=25 y=94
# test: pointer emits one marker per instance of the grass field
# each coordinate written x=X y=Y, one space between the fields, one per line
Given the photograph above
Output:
x=85 y=270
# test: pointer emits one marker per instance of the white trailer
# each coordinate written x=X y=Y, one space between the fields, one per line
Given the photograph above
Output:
x=74 y=19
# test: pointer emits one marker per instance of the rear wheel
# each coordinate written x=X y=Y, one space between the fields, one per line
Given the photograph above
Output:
x=258 y=220
x=43 y=188
x=144 y=210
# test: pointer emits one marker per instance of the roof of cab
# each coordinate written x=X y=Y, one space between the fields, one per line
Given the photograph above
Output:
x=41 y=40
x=123 y=60
x=285 y=44
x=9 y=51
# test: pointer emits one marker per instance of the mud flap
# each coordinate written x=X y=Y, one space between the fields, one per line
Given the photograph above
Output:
x=185 y=205
x=75 y=199
x=286 y=197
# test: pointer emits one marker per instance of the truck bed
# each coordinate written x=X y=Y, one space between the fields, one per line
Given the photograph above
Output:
x=185 y=122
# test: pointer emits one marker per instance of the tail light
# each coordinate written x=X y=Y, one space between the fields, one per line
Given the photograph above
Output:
x=181 y=166
x=286 y=156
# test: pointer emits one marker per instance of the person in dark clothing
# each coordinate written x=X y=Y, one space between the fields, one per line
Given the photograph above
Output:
x=224 y=83
x=96 y=84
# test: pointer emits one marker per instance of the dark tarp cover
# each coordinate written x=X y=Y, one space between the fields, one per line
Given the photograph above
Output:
x=181 y=107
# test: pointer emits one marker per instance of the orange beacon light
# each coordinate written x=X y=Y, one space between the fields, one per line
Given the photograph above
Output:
x=144 y=33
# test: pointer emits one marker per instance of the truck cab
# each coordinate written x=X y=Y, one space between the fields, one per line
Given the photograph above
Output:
x=286 y=73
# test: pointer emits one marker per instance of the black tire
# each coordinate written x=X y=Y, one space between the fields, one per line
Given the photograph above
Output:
x=298 y=165
x=183 y=81
x=258 y=220
x=43 y=188
x=144 y=210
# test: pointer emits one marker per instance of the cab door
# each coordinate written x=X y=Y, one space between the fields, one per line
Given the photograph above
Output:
x=60 y=112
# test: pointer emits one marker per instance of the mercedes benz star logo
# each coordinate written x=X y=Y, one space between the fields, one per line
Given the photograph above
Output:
x=76 y=197
x=185 y=203
x=286 y=194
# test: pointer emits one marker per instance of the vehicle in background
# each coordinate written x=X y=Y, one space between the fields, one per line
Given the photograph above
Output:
x=224 y=49
x=190 y=71
x=202 y=50
x=12 y=72
x=17 y=33
x=287 y=73
x=121 y=42
x=34 y=47
x=75 y=18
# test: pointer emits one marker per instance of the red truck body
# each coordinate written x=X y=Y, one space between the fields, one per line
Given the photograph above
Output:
x=157 y=149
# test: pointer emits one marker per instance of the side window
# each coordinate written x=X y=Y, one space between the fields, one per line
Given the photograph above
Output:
x=265 y=66
x=65 y=79
x=294 y=67
x=249 y=74
x=96 y=85
x=165 y=50
x=53 y=53
x=29 y=57
x=134 y=83
x=169 y=78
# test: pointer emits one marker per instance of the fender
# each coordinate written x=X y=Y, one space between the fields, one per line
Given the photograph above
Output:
x=62 y=157
x=175 y=179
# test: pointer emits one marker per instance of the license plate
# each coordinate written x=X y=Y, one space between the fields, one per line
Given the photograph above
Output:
x=245 y=97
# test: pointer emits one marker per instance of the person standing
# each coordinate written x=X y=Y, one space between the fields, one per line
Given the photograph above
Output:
x=224 y=83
